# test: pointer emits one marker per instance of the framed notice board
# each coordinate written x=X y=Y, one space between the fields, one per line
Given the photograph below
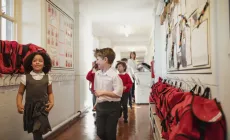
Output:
x=59 y=37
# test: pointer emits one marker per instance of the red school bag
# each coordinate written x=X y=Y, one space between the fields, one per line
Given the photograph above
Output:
x=6 y=64
x=198 y=118
x=184 y=126
x=30 y=48
x=22 y=52
x=211 y=119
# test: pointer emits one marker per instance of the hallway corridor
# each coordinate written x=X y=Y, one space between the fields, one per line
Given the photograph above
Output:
x=138 y=127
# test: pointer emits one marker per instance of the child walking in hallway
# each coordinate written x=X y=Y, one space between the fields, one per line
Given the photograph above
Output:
x=127 y=84
x=129 y=72
x=90 y=77
x=108 y=89
x=39 y=98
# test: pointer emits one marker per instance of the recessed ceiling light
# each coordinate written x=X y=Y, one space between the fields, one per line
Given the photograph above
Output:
x=125 y=29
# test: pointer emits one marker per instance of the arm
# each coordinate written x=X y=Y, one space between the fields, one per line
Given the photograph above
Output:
x=116 y=93
x=51 y=98
x=20 y=98
x=90 y=76
x=50 y=103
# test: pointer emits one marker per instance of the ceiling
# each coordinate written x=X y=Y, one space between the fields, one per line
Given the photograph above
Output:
x=109 y=15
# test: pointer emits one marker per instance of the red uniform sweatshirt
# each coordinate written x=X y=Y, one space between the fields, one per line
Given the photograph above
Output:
x=90 y=77
x=126 y=82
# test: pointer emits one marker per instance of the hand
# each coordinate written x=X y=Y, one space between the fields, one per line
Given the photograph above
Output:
x=49 y=106
x=20 y=109
x=99 y=93
x=124 y=88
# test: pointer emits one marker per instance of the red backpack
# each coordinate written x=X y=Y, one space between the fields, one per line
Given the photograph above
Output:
x=6 y=64
x=197 y=118
x=13 y=54
x=23 y=52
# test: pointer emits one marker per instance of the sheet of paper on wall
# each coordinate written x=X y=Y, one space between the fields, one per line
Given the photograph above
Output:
x=191 y=6
x=175 y=15
x=199 y=44
x=183 y=53
x=178 y=9
x=201 y=2
x=177 y=36
x=183 y=6
x=174 y=34
x=193 y=19
x=169 y=51
x=188 y=46
x=175 y=56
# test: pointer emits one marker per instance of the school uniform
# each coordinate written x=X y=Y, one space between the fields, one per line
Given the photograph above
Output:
x=90 y=77
x=108 y=109
x=35 y=117
x=129 y=72
x=124 y=99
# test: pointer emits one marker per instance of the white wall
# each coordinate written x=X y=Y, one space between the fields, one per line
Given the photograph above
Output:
x=70 y=96
x=118 y=55
x=86 y=57
x=219 y=79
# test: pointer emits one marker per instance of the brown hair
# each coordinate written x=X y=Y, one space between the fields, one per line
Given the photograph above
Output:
x=134 y=54
x=105 y=52
x=121 y=63
x=124 y=59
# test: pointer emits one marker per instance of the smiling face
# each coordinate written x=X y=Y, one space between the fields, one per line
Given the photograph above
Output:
x=100 y=62
x=38 y=63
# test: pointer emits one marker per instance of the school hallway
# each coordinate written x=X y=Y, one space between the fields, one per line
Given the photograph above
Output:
x=179 y=44
x=137 y=128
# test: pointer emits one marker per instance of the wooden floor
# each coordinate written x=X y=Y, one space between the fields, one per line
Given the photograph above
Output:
x=138 y=127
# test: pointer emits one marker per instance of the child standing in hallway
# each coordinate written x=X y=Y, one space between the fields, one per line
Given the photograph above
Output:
x=90 y=77
x=129 y=72
x=39 y=98
x=108 y=88
x=127 y=84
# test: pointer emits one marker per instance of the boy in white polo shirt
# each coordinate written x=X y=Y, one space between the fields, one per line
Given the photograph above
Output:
x=108 y=89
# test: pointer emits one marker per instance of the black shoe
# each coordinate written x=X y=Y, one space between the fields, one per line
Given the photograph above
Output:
x=125 y=121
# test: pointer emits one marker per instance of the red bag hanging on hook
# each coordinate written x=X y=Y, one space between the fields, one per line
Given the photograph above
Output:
x=210 y=117
x=6 y=65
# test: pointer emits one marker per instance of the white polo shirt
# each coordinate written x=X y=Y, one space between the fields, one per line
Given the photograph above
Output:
x=108 y=81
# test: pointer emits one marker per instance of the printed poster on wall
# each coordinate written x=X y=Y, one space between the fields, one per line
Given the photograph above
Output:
x=59 y=37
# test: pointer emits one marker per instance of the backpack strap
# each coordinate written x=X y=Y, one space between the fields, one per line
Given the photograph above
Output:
x=6 y=54
x=206 y=93
x=25 y=49
x=193 y=89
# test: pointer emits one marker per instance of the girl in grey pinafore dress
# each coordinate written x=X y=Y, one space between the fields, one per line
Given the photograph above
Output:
x=35 y=117
x=39 y=98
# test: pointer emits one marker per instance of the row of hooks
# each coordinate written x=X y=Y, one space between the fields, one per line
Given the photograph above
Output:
x=10 y=80
x=187 y=84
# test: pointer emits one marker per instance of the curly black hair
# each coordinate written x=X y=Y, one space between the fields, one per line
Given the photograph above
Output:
x=28 y=62
x=121 y=63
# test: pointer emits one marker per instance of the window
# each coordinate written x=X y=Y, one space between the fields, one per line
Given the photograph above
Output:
x=7 y=20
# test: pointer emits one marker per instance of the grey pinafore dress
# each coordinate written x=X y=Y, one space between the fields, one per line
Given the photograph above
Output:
x=35 y=117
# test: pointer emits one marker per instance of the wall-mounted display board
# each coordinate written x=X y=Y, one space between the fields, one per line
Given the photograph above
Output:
x=59 y=37
x=188 y=36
